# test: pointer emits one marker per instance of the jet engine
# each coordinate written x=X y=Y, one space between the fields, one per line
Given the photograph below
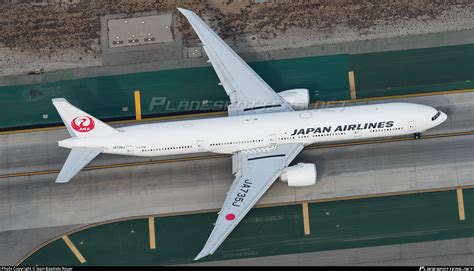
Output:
x=302 y=174
x=298 y=98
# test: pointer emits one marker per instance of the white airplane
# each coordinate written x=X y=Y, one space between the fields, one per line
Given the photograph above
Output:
x=264 y=132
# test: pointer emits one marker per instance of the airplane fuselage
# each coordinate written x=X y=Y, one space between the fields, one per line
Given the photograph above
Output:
x=232 y=134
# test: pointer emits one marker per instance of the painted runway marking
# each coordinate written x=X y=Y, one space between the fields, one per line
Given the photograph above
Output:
x=352 y=86
x=138 y=108
x=307 y=230
x=413 y=192
x=74 y=249
x=460 y=204
x=151 y=231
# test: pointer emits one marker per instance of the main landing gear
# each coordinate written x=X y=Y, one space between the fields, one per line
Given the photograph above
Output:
x=417 y=135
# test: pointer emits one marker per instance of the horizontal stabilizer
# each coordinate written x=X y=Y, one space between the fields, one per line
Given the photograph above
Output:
x=78 y=158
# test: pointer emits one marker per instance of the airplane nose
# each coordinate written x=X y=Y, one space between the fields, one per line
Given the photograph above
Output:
x=443 y=117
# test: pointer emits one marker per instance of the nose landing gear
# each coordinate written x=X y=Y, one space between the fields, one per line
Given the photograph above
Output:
x=417 y=135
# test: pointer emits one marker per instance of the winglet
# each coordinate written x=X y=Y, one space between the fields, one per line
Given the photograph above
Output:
x=183 y=10
x=202 y=254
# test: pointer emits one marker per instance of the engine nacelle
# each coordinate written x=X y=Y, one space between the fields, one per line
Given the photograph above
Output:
x=302 y=174
x=298 y=98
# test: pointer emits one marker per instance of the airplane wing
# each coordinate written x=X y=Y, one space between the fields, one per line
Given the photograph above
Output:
x=248 y=93
x=255 y=171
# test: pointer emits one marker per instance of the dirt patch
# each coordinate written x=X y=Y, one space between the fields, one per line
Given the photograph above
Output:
x=67 y=32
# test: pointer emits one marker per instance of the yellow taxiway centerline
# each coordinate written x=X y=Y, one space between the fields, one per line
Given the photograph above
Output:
x=215 y=156
x=307 y=230
x=74 y=249
x=224 y=113
x=460 y=204
x=151 y=231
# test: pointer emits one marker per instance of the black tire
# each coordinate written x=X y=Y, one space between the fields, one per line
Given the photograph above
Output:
x=417 y=135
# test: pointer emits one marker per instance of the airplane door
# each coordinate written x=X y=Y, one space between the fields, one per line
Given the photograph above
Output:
x=129 y=150
x=412 y=125
x=272 y=139
x=200 y=145
x=357 y=133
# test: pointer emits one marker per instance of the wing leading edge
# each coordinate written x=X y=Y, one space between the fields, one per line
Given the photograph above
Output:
x=248 y=93
x=255 y=171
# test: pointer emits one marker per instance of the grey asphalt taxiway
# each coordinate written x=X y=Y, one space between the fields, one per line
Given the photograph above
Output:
x=345 y=170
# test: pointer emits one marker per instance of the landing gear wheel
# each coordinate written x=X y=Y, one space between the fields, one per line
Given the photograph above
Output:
x=417 y=135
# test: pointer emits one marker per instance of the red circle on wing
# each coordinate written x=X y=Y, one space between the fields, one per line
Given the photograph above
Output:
x=230 y=217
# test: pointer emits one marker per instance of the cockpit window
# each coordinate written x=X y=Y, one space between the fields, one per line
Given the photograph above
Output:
x=436 y=116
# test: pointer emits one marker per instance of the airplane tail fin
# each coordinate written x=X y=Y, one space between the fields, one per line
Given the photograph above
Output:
x=79 y=123
x=78 y=158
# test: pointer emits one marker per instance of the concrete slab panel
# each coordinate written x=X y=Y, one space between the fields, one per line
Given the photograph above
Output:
x=283 y=260
x=191 y=185
x=394 y=166
x=27 y=216
x=470 y=244
x=354 y=172
x=4 y=156
x=278 y=192
x=5 y=217
x=110 y=207
x=326 y=258
x=435 y=164
x=424 y=249
x=20 y=150
x=4 y=206
x=464 y=156
x=380 y=253
x=110 y=182
x=462 y=111
x=76 y=190
x=110 y=194
x=24 y=190
x=151 y=189
x=71 y=212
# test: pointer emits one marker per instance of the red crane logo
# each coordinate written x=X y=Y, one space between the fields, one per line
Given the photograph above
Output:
x=82 y=124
